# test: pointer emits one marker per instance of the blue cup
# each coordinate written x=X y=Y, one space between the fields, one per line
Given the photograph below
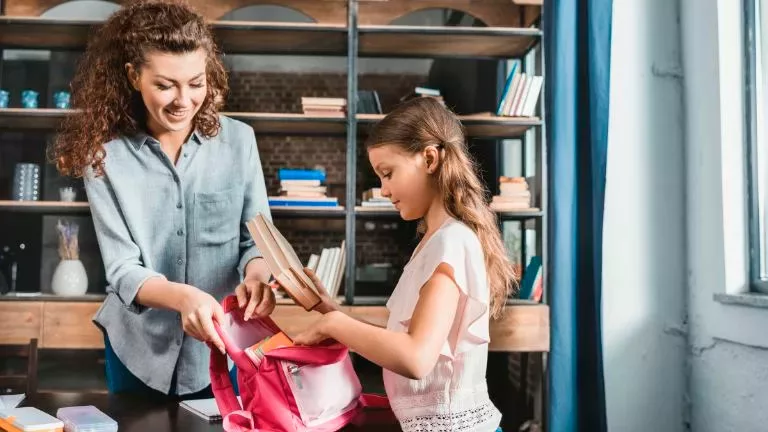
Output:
x=4 y=97
x=61 y=99
x=29 y=99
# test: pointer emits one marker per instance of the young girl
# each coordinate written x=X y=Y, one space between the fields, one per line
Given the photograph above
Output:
x=435 y=347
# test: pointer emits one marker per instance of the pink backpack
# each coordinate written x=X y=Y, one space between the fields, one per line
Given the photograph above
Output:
x=298 y=388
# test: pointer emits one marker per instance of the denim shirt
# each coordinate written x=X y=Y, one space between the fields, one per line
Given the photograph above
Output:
x=184 y=222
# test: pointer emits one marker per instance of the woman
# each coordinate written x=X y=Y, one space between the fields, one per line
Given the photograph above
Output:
x=170 y=183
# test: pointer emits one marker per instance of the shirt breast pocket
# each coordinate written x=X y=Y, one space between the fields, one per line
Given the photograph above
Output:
x=217 y=216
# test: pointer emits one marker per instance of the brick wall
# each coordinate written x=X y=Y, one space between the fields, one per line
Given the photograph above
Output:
x=281 y=92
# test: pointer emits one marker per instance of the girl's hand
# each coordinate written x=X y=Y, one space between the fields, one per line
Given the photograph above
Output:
x=198 y=309
x=318 y=332
x=327 y=304
x=256 y=297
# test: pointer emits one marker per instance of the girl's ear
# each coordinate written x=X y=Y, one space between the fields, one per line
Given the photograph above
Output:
x=431 y=159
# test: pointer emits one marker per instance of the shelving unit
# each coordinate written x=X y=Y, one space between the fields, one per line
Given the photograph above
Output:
x=353 y=40
x=350 y=40
x=525 y=326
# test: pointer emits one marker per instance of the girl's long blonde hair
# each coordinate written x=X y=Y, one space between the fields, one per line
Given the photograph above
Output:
x=423 y=122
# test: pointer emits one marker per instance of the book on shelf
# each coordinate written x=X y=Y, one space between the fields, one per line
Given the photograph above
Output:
x=283 y=263
x=514 y=194
x=329 y=266
x=520 y=95
x=423 y=92
x=531 y=287
x=368 y=102
x=321 y=106
x=303 y=188
x=373 y=198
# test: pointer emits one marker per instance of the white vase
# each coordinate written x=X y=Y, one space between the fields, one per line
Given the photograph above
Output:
x=69 y=278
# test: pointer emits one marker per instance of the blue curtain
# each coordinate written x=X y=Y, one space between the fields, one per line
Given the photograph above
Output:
x=577 y=44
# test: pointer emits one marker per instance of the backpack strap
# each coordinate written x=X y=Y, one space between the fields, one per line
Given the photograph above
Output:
x=221 y=384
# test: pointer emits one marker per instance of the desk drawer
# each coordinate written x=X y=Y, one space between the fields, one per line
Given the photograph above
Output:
x=69 y=325
x=20 y=321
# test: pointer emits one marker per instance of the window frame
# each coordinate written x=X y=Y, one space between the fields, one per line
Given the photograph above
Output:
x=757 y=282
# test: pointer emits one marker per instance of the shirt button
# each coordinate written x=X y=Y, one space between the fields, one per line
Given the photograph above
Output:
x=178 y=205
x=185 y=154
x=180 y=261
x=180 y=232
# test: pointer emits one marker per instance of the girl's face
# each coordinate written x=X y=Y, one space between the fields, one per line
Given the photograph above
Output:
x=173 y=87
x=406 y=178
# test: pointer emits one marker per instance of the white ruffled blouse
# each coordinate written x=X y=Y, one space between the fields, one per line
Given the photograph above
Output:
x=454 y=396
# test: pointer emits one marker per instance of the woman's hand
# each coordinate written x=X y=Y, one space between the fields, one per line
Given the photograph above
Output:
x=198 y=309
x=256 y=297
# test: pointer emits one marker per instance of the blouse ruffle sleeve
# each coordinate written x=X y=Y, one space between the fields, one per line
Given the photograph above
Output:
x=471 y=323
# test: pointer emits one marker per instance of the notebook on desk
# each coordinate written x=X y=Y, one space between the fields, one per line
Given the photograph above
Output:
x=283 y=262
x=11 y=400
x=204 y=408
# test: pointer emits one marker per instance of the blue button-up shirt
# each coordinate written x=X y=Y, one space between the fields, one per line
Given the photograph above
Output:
x=184 y=221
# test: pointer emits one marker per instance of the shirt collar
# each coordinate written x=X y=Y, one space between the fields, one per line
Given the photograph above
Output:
x=141 y=138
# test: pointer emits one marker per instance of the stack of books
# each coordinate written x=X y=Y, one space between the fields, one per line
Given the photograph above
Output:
x=423 y=92
x=372 y=199
x=514 y=195
x=521 y=92
x=324 y=107
x=302 y=189
x=329 y=267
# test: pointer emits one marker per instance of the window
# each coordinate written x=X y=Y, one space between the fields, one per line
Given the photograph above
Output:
x=756 y=133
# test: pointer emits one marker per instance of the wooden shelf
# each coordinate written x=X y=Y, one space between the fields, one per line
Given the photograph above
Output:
x=291 y=123
x=434 y=42
x=82 y=207
x=45 y=207
x=476 y=125
x=32 y=118
x=520 y=214
x=372 y=212
x=376 y=212
x=234 y=37
x=313 y=212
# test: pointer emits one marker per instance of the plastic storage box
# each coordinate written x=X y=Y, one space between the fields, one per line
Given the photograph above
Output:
x=28 y=419
x=85 y=419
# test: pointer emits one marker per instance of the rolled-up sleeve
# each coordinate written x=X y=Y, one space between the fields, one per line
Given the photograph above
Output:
x=256 y=201
x=125 y=271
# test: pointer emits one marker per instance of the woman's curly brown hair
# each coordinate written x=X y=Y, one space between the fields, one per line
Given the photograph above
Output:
x=107 y=105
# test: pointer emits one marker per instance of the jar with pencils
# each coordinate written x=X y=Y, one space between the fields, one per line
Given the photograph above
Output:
x=69 y=278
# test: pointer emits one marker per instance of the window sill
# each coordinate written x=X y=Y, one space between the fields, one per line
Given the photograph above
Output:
x=750 y=299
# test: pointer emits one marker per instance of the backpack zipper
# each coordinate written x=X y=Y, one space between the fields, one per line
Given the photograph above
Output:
x=294 y=371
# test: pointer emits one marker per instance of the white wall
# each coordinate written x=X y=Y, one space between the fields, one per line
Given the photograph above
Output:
x=675 y=234
x=728 y=344
x=644 y=235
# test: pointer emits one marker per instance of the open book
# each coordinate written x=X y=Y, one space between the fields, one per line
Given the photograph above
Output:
x=283 y=262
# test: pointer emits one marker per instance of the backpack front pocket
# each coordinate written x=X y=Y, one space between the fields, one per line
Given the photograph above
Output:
x=323 y=392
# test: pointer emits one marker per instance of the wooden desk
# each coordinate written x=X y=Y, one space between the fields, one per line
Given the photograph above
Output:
x=65 y=323
x=143 y=414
